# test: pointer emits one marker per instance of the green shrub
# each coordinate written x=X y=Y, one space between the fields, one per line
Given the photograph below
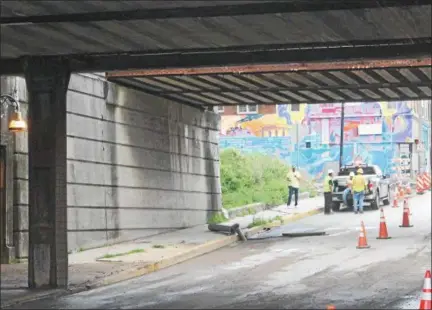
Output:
x=258 y=222
x=217 y=218
x=252 y=178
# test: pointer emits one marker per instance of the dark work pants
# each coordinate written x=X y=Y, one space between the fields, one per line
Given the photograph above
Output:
x=291 y=191
x=327 y=202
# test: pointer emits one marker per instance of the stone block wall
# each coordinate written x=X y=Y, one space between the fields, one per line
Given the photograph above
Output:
x=138 y=165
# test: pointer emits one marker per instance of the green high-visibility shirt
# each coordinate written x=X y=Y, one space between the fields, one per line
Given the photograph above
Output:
x=328 y=184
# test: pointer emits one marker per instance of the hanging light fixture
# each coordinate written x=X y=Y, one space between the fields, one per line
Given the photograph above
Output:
x=16 y=123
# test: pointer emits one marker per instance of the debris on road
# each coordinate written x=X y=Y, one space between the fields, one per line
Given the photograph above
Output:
x=229 y=229
x=304 y=234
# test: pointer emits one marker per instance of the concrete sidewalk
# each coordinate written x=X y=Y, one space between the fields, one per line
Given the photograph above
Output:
x=108 y=265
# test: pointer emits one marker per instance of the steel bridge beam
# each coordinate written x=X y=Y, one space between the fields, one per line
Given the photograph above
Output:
x=264 y=7
x=362 y=50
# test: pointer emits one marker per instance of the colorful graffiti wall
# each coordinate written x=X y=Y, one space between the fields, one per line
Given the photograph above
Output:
x=320 y=124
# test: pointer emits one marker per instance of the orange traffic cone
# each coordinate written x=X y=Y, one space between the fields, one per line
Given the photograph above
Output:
x=405 y=203
x=330 y=307
x=383 y=234
x=405 y=216
x=395 y=199
x=401 y=193
x=425 y=303
x=362 y=241
x=408 y=189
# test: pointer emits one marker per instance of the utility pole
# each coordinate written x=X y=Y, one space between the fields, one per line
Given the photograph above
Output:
x=298 y=144
x=341 y=134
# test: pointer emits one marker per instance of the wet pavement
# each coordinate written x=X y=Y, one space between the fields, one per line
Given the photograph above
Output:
x=288 y=273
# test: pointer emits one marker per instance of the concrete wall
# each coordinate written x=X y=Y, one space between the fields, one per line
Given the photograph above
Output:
x=138 y=165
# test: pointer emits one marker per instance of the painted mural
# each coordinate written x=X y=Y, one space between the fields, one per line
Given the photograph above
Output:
x=320 y=126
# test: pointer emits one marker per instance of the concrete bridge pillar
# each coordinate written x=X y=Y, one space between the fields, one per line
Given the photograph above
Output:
x=47 y=82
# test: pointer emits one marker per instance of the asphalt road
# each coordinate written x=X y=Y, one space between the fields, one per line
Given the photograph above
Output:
x=288 y=273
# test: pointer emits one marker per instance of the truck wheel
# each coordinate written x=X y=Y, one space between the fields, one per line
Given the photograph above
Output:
x=386 y=200
x=376 y=202
x=336 y=206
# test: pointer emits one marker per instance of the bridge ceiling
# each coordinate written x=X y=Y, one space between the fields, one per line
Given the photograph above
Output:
x=168 y=35
x=86 y=27
x=316 y=83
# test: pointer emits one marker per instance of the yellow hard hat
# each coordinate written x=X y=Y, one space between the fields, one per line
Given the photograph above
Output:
x=360 y=170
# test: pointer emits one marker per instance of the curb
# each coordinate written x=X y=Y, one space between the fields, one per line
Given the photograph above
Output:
x=286 y=219
x=147 y=268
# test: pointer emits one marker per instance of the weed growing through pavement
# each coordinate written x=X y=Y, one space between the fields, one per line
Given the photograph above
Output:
x=123 y=254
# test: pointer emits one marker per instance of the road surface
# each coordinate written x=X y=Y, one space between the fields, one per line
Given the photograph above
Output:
x=288 y=273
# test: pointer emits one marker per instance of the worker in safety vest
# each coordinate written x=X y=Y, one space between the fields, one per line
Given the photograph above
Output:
x=348 y=189
x=359 y=188
x=328 y=189
x=294 y=185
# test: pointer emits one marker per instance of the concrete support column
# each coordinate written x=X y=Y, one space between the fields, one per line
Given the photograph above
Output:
x=47 y=81
x=8 y=87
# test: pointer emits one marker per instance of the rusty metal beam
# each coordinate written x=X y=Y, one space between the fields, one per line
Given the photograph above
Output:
x=240 y=58
x=282 y=67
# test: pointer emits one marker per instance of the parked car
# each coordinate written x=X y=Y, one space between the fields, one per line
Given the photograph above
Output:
x=378 y=187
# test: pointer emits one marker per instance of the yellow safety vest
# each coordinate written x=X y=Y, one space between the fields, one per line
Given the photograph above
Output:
x=288 y=177
x=359 y=183
x=295 y=179
x=328 y=184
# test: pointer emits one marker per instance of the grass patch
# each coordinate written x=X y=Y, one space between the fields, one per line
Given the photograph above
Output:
x=245 y=212
x=123 y=254
x=258 y=222
x=217 y=218
x=248 y=211
x=279 y=218
x=251 y=211
x=158 y=246
x=15 y=261
x=261 y=222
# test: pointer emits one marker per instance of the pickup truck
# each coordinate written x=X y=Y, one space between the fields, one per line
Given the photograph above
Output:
x=378 y=187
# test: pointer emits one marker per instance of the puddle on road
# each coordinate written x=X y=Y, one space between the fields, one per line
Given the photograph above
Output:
x=408 y=302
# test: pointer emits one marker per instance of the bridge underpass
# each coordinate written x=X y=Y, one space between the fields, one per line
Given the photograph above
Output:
x=202 y=54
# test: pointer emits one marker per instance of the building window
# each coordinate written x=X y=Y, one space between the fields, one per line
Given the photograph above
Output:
x=219 y=109
x=295 y=107
x=247 y=109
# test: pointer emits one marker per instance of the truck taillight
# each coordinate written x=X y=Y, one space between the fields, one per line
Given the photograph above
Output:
x=370 y=185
